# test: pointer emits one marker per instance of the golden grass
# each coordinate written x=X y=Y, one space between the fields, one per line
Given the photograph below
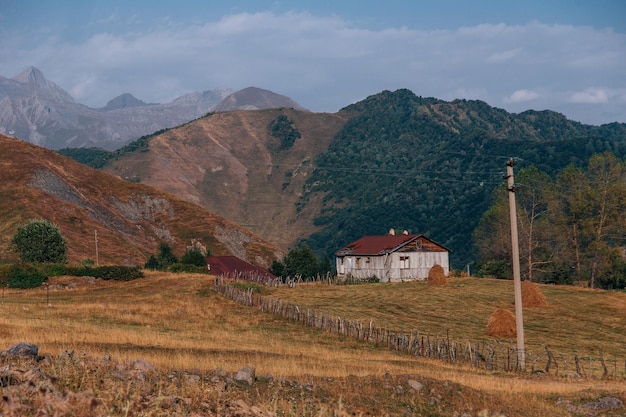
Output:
x=576 y=321
x=176 y=321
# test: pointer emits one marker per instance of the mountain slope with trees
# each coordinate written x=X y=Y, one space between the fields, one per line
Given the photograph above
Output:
x=429 y=166
x=393 y=160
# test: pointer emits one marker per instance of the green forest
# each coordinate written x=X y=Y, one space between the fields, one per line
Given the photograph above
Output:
x=434 y=167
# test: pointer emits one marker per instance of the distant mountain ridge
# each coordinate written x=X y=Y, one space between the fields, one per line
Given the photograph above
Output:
x=37 y=110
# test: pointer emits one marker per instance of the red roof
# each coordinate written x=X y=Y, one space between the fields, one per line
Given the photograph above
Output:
x=379 y=245
x=234 y=267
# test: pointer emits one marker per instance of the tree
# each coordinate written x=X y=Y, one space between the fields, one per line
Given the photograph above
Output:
x=588 y=210
x=164 y=259
x=193 y=256
x=40 y=241
x=301 y=262
x=536 y=246
x=607 y=185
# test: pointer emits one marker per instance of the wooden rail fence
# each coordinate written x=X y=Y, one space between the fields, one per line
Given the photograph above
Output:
x=489 y=355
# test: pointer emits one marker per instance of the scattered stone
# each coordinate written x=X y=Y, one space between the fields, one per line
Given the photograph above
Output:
x=399 y=389
x=23 y=349
x=603 y=404
x=193 y=378
x=415 y=385
x=246 y=374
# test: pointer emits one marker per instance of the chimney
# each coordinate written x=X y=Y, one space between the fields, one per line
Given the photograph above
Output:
x=392 y=232
x=405 y=232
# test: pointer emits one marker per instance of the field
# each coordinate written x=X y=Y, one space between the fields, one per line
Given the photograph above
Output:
x=195 y=341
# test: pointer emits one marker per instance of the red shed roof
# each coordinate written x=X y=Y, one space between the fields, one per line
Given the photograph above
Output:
x=236 y=268
x=379 y=245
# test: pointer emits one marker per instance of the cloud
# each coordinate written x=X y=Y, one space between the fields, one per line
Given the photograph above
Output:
x=521 y=96
x=326 y=62
x=590 y=96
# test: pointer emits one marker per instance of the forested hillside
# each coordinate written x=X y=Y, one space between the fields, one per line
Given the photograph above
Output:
x=393 y=160
x=430 y=166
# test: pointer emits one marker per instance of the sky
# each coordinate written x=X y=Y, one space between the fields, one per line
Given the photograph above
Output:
x=567 y=56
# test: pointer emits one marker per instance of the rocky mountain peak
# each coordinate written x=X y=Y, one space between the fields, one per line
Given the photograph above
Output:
x=34 y=80
x=30 y=75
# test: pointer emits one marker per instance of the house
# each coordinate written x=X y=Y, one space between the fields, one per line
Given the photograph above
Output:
x=391 y=258
x=233 y=267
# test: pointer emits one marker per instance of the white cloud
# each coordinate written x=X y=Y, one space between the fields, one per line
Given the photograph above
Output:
x=521 y=96
x=590 y=96
x=324 y=62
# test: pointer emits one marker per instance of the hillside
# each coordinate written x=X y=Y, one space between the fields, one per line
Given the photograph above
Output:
x=130 y=219
x=233 y=164
x=430 y=166
x=394 y=160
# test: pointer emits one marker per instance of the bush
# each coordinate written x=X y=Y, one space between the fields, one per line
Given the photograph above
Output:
x=193 y=256
x=40 y=241
x=496 y=269
x=165 y=258
x=109 y=272
x=25 y=276
x=194 y=269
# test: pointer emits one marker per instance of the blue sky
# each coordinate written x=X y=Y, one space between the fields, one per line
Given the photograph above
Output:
x=564 y=55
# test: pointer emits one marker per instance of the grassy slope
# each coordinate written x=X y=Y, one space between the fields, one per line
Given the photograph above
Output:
x=576 y=321
x=131 y=219
x=230 y=164
x=176 y=322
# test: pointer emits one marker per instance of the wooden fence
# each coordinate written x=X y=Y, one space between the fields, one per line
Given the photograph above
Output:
x=489 y=355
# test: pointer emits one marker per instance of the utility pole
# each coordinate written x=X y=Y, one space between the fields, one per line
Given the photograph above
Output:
x=96 y=237
x=517 y=281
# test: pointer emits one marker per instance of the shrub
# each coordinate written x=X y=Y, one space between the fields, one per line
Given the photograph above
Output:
x=194 y=269
x=193 y=256
x=25 y=276
x=40 y=241
x=108 y=272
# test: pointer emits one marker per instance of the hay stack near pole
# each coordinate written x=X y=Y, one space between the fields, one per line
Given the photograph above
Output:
x=436 y=276
x=532 y=296
x=502 y=324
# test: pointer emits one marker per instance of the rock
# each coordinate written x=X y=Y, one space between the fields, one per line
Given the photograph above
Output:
x=415 y=385
x=603 y=404
x=22 y=349
x=246 y=374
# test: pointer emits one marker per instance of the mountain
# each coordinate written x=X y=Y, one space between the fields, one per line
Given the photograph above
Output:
x=394 y=159
x=130 y=219
x=234 y=164
x=123 y=101
x=253 y=98
x=37 y=110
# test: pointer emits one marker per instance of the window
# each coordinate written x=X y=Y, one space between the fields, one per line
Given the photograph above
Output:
x=405 y=262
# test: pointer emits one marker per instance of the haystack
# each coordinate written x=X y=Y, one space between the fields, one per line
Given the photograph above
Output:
x=437 y=276
x=532 y=296
x=502 y=324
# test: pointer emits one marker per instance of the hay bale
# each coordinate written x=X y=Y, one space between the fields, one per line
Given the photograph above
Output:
x=437 y=276
x=532 y=296
x=502 y=324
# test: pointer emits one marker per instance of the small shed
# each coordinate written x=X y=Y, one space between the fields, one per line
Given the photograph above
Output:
x=233 y=267
x=391 y=258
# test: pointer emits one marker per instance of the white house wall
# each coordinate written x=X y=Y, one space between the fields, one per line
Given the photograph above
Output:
x=389 y=267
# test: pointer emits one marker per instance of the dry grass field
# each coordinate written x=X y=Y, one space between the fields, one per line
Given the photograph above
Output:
x=197 y=341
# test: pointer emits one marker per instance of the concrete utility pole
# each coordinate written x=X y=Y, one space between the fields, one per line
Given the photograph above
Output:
x=517 y=281
x=96 y=237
